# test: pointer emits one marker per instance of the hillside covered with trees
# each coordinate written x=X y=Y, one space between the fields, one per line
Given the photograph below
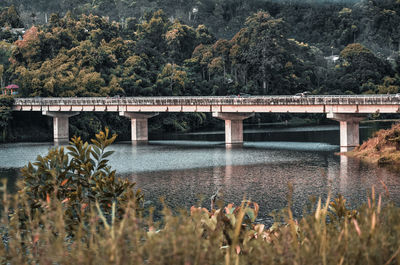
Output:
x=205 y=47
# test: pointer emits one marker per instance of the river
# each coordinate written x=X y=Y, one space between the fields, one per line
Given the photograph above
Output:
x=188 y=168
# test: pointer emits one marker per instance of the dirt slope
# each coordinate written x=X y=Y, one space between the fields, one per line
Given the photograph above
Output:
x=383 y=148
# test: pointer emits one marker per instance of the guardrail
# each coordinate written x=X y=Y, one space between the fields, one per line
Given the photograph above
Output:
x=216 y=100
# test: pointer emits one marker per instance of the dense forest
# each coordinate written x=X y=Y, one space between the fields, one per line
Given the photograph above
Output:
x=204 y=47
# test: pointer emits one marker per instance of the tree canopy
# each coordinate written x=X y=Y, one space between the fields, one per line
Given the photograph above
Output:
x=204 y=47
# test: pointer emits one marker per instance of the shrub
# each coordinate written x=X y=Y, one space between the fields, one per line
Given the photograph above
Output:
x=394 y=137
x=6 y=103
x=78 y=179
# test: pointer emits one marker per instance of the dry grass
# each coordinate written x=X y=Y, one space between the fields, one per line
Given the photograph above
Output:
x=379 y=149
x=369 y=236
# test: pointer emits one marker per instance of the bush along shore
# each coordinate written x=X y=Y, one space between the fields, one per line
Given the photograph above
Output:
x=6 y=103
x=71 y=209
x=382 y=149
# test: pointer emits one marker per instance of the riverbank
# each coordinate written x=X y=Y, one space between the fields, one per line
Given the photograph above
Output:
x=382 y=149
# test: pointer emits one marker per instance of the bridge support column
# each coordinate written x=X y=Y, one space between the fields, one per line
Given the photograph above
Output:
x=60 y=125
x=349 y=129
x=139 y=125
x=233 y=127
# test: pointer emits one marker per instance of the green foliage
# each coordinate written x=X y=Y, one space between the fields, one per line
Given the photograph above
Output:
x=107 y=48
x=77 y=58
x=79 y=179
x=236 y=224
x=9 y=17
x=181 y=39
x=394 y=138
x=362 y=71
x=390 y=85
x=6 y=103
x=322 y=23
x=5 y=54
x=172 y=81
x=260 y=59
x=339 y=211
x=354 y=51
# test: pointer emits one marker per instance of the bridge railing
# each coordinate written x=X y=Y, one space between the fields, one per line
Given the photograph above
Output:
x=218 y=100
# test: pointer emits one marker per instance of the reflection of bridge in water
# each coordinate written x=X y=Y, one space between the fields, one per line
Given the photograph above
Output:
x=348 y=110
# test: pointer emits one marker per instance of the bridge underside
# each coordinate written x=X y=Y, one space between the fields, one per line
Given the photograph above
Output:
x=349 y=127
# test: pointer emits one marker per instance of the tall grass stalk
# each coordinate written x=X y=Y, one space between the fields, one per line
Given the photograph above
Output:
x=222 y=236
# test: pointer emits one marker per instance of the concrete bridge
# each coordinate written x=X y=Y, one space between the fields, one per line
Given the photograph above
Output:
x=347 y=110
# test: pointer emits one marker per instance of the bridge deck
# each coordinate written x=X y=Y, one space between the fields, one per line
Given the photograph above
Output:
x=297 y=104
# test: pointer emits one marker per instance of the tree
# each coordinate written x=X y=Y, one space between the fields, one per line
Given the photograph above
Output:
x=221 y=48
x=70 y=58
x=5 y=54
x=203 y=35
x=153 y=28
x=361 y=66
x=172 y=81
x=6 y=103
x=180 y=40
x=10 y=17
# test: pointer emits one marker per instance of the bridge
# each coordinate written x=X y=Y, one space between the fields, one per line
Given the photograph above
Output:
x=347 y=110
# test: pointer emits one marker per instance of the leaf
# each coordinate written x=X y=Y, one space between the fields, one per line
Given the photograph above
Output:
x=251 y=214
x=237 y=248
x=96 y=143
x=358 y=230
x=107 y=154
x=64 y=182
x=318 y=211
x=83 y=207
x=95 y=155
x=36 y=238
x=229 y=209
x=256 y=208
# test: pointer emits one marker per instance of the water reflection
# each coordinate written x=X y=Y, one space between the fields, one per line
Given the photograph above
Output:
x=60 y=142
x=228 y=165
x=348 y=167
x=263 y=175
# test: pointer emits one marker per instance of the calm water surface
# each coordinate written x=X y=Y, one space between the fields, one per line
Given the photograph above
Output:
x=192 y=168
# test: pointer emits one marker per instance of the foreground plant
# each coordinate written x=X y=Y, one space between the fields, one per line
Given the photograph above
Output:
x=226 y=235
x=79 y=179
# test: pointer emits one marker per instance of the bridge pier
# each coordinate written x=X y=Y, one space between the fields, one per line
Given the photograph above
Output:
x=233 y=127
x=60 y=125
x=349 y=129
x=139 y=125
